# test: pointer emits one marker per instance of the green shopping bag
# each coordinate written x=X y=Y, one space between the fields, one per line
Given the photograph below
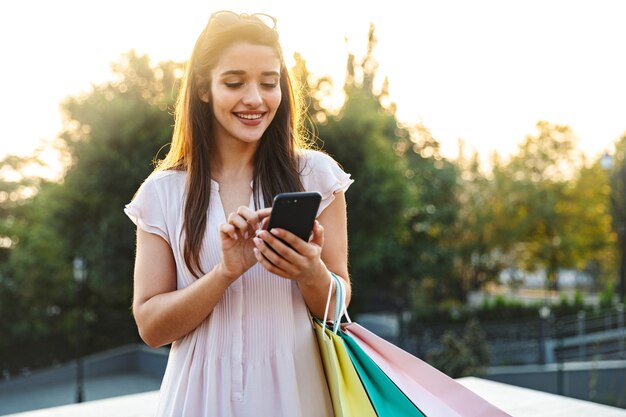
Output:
x=388 y=400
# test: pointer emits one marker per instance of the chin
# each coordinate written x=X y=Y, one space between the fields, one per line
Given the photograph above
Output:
x=249 y=139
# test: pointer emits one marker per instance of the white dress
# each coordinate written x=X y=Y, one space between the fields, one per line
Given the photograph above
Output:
x=255 y=354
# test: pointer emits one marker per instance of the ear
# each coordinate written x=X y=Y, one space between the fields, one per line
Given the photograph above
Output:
x=204 y=95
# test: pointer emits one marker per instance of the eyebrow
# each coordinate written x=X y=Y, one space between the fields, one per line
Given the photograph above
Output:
x=242 y=72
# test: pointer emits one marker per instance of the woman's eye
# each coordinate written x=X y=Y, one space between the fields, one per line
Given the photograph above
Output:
x=270 y=85
x=233 y=84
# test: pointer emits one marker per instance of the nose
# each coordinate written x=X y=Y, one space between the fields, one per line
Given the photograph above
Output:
x=252 y=96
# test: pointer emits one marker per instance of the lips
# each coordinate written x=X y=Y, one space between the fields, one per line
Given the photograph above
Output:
x=250 y=116
x=251 y=119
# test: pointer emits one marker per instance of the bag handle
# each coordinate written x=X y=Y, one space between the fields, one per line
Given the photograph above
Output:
x=340 y=302
x=331 y=283
x=344 y=295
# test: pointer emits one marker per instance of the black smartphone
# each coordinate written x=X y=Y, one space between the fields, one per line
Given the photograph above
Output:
x=295 y=212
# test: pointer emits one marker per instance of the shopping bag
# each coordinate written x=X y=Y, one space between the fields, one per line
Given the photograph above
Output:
x=432 y=392
x=346 y=390
x=360 y=382
x=435 y=393
x=388 y=400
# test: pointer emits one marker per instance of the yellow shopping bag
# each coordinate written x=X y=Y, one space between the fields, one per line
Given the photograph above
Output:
x=346 y=390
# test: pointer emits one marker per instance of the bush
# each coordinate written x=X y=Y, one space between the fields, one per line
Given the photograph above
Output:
x=467 y=356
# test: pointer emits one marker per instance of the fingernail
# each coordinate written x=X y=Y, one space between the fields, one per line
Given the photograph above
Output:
x=256 y=251
x=257 y=241
x=275 y=232
x=245 y=234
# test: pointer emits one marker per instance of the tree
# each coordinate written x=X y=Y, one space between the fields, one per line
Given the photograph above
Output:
x=618 y=209
x=478 y=260
x=429 y=243
x=361 y=137
x=593 y=243
x=402 y=206
x=110 y=136
x=534 y=189
x=20 y=312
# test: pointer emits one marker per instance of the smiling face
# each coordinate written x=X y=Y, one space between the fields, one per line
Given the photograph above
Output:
x=245 y=92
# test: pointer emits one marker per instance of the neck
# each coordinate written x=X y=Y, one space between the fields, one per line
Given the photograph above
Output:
x=233 y=163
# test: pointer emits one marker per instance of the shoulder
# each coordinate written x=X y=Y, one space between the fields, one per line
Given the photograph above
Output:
x=168 y=180
x=157 y=203
x=312 y=161
x=163 y=186
x=167 y=176
x=320 y=172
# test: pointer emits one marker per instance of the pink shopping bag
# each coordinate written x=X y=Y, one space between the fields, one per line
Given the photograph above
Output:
x=435 y=393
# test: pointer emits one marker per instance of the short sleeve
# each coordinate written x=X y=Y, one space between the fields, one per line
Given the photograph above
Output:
x=321 y=173
x=146 y=210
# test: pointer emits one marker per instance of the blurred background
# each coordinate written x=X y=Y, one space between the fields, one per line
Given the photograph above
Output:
x=487 y=223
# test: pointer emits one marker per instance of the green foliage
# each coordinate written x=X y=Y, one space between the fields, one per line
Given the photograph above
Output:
x=111 y=134
x=618 y=209
x=361 y=138
x=459 y=357
x=423 y=230
x=403 y=200
x=476 y=344
x=606 y=296
x=479 y=253
x=499 y=309
x=538 y=181
x=548 y=210
x=430 y=236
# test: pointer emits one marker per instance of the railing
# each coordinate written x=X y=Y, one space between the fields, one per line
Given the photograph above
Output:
x=590 y=338
x=580 y=337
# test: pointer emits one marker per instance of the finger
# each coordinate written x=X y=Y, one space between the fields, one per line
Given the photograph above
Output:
x=268 y=265
x=264 y=213
x=298 y=245
x=273 y=252
x=240 y=223
x=229 y=230
x=279 y=246
x=264 y=217
x=250 y=216
x=264 y=223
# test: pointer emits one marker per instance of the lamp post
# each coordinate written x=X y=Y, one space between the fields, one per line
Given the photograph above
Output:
x=80 y=274
x=618 y=213
x=544 y=314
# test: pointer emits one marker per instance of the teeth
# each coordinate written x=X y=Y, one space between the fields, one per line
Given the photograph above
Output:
x=250 y=116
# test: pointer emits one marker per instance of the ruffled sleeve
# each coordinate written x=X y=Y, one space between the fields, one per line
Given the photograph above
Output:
x=321 y=173
x=146 y=209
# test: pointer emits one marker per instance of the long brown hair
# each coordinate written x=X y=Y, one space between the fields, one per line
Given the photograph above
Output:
x=276 y=166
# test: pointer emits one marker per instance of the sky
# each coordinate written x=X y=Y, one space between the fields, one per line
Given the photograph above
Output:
x=481 y=71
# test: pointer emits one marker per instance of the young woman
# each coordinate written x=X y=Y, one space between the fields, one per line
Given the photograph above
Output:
x=235 y=311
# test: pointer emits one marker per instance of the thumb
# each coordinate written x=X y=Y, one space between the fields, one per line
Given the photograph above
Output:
x=318 y=234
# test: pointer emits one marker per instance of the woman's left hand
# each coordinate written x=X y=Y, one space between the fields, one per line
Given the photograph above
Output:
x=301 y=262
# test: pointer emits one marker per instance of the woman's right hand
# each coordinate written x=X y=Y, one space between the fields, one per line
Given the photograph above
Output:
x=236 y=239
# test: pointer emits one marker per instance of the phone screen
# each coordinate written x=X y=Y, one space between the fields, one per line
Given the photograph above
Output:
x=295 y=212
